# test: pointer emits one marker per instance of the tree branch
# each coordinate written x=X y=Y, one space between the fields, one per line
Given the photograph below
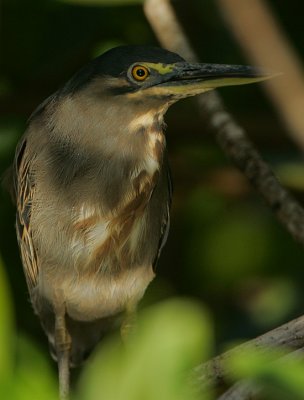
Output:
x=289 y=336
x=243 y=390
x=247 y=389
x=264 y=43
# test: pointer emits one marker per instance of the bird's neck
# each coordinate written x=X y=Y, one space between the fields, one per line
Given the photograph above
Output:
x=135 y=135
x=146 y=130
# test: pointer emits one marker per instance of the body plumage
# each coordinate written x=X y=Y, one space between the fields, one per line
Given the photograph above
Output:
x=94 y=227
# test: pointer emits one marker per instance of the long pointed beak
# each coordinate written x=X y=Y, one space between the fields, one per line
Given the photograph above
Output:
x=191 y=79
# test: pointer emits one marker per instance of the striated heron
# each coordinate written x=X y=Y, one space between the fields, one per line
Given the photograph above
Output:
x=93 y=191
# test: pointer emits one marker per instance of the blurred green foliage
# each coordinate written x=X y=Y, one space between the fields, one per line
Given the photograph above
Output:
x=156 y=363
x=6 y=323
x=278 y=380
x=171 y=339
x=24 y=373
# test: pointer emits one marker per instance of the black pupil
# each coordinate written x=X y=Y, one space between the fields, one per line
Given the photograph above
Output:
x=140 y=72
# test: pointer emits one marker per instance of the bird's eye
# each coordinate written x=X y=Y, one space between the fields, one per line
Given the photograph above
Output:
x=140 y=73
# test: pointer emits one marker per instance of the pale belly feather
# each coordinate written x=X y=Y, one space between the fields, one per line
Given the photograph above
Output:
x=99 y=297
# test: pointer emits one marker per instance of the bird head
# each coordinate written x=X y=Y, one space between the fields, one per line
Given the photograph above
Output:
x=150 y=77
x=127 y=90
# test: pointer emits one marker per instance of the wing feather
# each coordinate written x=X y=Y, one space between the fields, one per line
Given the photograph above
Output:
x=24 y=188
x=165 y=222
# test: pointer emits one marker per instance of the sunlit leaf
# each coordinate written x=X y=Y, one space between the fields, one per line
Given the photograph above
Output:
x=280 y=378
x=6 y=328
x=34 y=377
x=171 y=339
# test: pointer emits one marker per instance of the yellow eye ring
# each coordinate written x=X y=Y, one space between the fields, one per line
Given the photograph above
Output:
x=140 y=72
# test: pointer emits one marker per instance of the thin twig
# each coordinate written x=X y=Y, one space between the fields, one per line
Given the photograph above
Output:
x=230 y=136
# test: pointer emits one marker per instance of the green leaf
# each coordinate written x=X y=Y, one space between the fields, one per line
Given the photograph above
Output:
x=171 y=339
x=34 y=378
x=280 y=378
x=6 y=328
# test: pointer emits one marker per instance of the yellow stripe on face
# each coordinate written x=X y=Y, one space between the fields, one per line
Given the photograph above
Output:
x=162 y=69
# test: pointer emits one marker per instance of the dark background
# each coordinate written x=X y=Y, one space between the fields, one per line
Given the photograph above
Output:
x=225 y=247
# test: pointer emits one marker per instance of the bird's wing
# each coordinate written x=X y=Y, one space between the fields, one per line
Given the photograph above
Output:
x=166 y=221
x=24 y=188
